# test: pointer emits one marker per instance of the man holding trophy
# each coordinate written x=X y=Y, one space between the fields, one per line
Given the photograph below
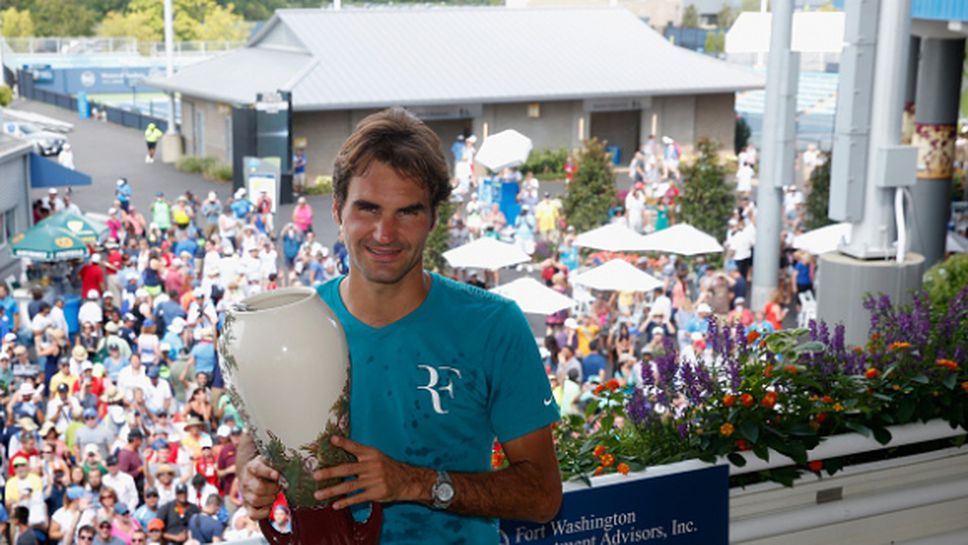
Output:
x=427 y=399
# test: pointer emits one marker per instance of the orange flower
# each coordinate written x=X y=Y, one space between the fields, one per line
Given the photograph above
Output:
x=726 y=429
x=964 y=385
x=612 y=384
x=899 y=345
x=497 y=460
x=815 y=466
x=820 y=418
x=747 y=400
x=768 y=372
x=599 y=471
x=769 y=400
x=741 y=444
x=838 y=407
x=896 y=387
x=763 y=343
x=607 y=460
x=729 y=400
x=599 y=389
x=792 y=369
x=623 y=468
x=599 y=451
x=872 y=373
x=950 y=364
x=858 y=350
x=827 y=399
x=752 y=336
x=875 y=337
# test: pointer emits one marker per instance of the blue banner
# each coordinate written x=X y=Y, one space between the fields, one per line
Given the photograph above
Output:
x=688 y=508
x=47 y=173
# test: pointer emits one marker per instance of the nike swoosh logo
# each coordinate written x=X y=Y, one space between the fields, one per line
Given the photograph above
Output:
x=547 y=402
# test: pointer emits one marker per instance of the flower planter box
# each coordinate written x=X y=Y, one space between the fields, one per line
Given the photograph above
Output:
x=898 y=500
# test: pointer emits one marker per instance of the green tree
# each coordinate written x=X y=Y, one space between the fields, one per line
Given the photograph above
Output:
x=260 y=10
x=715 y=42
x=221 y=23
x=752 y=5
x=707 y=200
x=16 y=23
x=690 y=17
x=741 y=134
x=63 y=18
x=818 y=198
x=6 y=95
x=726 y=16
x=133 y=24
x=438 y=241
x=592 y=191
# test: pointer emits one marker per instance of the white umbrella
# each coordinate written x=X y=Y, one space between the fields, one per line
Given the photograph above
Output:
x=485 y=253
x=504 y=149
x=683 y=239
x=617 y=275
x=534 y=297
x=955 y=244
x=822 y=240
x=614 y=237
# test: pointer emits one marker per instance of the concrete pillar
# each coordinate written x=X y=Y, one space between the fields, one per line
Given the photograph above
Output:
x=910 y=90
x=935 y=130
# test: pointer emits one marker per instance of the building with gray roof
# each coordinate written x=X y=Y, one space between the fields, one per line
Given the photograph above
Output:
x=559 y=76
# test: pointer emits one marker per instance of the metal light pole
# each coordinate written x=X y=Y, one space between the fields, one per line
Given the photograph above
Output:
x=171 y=144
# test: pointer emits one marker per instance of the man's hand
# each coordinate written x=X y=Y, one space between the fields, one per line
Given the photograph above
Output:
x=258 y=482
x=379 y=478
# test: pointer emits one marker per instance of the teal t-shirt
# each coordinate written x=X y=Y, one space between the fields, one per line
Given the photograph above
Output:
x=435 y=388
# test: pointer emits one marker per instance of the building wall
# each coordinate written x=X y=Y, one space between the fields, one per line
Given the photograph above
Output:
x=716 y=119
x=676 y=118
x=216 y=123
x=14 y=195
x=324 y=133
x=555 y=127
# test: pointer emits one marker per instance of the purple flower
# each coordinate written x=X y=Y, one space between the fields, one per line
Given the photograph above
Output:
x=639 y=408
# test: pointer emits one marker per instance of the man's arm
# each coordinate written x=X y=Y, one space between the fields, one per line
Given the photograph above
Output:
x=529 y=489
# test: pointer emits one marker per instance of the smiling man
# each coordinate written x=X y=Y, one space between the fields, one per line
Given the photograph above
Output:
x=428 y=398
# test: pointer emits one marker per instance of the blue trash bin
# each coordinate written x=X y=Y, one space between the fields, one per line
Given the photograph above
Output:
x=83 y=105
x=616 y=154
x=72 y=305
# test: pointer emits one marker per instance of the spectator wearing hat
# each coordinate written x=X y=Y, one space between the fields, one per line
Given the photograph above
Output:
x=176 y=514
x=69 y=369
x=91 y=311
x=225 y=460
x=73 y=515
x=93 y=433
x=88 y=379
x=61 y=405
x=205 y=463
x=164 y=478
x=92 y=277
x=156 y=528
x=88 y=338
x=148 y=511
x=27 y=449
x=121 y=482
x=192 y=438
x=129 y=329
x=158 y=393
x=112 y=337
x=123 y=524
x=105 y=532
x=22 y=479
x=241 y=205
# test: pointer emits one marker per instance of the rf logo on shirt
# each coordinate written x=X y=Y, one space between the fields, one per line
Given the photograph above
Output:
x=435 y=374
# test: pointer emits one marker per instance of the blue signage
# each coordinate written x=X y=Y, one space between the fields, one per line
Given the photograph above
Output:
x=688 y=508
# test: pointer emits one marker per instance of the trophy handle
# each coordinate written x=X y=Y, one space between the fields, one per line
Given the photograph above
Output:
x=325 y=526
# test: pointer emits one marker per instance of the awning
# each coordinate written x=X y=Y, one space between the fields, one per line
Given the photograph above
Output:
x=46 y=173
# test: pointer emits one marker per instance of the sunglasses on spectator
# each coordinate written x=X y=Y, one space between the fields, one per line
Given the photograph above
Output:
x=104 y=524
x=85 y=537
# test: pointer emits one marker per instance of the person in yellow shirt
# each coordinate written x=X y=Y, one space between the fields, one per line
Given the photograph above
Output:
x=587 y=332
x=21 y=480
x=547 y=212
x=63 y=374
x=152 y=135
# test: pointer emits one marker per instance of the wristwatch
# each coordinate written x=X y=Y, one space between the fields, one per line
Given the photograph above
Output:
x=442 y=491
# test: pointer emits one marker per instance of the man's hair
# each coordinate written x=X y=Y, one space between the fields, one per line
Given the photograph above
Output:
x=213 y=500
x=87 y=528
x=399 y=140
x=21 y=514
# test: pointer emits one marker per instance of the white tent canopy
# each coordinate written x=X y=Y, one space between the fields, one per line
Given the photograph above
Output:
x=534 y=297
x=683 y=239
x=614 y=237
x=507 y=148
x=617 y=275
x=485 y=253
x=822 y=240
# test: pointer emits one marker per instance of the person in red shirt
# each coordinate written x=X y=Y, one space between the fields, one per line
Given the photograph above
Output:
x=87 y=377
x=205 y=464
x=92 y=275
x=28 y=448
x=226 y=459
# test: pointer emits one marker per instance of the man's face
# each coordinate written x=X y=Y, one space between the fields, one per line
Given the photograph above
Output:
x=152 y=501
x=386 y=219
x=85 y=537
x=104 y=531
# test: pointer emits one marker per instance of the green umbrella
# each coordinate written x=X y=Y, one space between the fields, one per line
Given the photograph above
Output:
x=83 y=227
x=47 y=242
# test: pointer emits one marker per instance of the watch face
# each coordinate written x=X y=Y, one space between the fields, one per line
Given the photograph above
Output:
x=445 y=492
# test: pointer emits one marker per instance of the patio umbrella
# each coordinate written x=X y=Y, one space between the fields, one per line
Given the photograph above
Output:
x=534 y=297
x=955 y=244
x=683 y=239
x=504 y=149
x=85 y=228
x=617 y=275
x=614 y=237
x=485 y=253
x=47 y=242
x=822 y=240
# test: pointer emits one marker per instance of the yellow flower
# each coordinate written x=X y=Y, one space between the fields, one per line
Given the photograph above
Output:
x=838 y=407
x=726 y=429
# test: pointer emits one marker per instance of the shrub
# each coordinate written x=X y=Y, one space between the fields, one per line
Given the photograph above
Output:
x=191 y=165
x=819 y=196
x=592 y=192
x=944 y=280
x=322 y=185
x=6 y=95
x=213 y=169
x=741 y=135
x=547 y=162
x=707 y=201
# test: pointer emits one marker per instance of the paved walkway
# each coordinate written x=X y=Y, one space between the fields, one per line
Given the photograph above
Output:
x=107 y=151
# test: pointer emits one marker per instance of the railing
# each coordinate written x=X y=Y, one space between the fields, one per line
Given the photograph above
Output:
x=126 y=46
x=157 y=49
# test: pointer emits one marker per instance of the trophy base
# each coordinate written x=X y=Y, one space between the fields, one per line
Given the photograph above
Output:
x=326 y=526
